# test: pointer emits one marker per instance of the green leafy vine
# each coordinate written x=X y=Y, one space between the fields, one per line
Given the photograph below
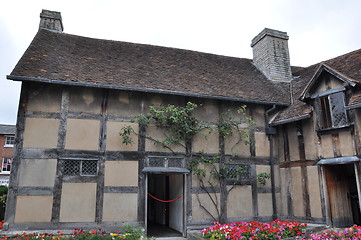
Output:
x=180 y=126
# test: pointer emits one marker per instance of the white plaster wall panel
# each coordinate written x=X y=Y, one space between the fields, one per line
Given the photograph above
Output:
x=78 y=201
x=121 y=173
x=82 y=134
x=44 y=98
x=314 y=191
x=206 y=142
x=207 y=110
x=327 y=146
x=37 y=172
x=85 y=99
x=33 y=209
x=115 y=141
x=262 y=144
x=122 y=103
x=239 y=202
x=264 y=169
x=347 y=145
x=297 y=192
x=198 y=213
x=159 y=134
x=208 y=178
x=120 y=207
x=265 y=204
x=234 y=144
x=41 y=133
x=310 y=141
x=293 y=143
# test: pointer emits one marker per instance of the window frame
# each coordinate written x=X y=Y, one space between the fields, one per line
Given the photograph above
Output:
x=78 y=170
x=238 y=179
x=9 y=144
x=327 y=112
x=8 y=165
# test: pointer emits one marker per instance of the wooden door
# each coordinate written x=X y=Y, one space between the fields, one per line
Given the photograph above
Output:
x=338 y=187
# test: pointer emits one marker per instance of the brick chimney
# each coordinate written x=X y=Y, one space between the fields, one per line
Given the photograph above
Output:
x=51 y=20
x=271 y=55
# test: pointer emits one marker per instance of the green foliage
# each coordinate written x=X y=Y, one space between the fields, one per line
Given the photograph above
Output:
x=199 y=163
x=128 y=233
x=3 y=189
x=231 y=172
x=178 y=121
x=3 y=197
x=132 y=233
x=228 y=124
x=180 y=126
x=263 y=177
x=125 y=134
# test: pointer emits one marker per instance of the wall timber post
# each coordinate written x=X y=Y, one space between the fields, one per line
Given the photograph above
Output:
x=358 y=181
x=324 y=192
x=61 y=144
x=102 y=149
x=14 y=176
x=223 y=185
x=142 y=178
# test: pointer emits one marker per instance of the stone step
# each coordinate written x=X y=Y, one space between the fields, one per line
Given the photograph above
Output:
x=171 y=238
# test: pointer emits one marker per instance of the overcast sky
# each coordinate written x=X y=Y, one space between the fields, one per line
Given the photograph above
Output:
x=318 y=29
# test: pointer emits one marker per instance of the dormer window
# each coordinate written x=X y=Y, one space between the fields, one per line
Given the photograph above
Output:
x=332 y=111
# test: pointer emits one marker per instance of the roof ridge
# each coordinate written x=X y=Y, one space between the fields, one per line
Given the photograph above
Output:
x=141 y=44
x=342 y=55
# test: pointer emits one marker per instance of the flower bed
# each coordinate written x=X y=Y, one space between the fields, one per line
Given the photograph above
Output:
x=275 y=230
x=128 y=233
x=254 y=230
x=352 y=233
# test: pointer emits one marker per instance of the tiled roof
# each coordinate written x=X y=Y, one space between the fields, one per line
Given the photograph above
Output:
x=298 y=109
x=74 y=59
x=348 y=64
x=355 y=100
x=7 y=129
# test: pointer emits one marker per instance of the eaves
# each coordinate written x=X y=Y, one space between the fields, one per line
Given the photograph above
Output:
x=159 y=91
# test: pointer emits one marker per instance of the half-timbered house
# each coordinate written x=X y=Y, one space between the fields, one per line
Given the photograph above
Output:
x=71 y=167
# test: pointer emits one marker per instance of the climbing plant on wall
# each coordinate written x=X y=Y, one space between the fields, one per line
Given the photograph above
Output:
x=181 y=126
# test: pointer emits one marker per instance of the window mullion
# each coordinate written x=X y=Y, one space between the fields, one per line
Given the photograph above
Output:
x=330 y=111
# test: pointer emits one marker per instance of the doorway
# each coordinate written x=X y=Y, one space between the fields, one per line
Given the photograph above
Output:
x=165 y=205
x=342 y=195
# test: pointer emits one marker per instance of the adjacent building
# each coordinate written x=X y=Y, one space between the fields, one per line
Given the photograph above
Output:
x=71 y=167
x=7 y=140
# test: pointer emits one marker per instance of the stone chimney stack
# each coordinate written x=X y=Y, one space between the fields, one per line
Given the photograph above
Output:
x=271 y=55
x=51 y=20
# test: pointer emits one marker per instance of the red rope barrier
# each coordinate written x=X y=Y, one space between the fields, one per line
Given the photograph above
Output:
x=160 y=200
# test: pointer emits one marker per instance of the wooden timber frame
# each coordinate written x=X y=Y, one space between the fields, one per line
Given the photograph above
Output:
x=61 y=154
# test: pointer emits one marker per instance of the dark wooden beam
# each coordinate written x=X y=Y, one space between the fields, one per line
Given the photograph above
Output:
x=141 y=176
x=336 y=145
x=14 y=175
x=254 y=191
x=299 y=163
x=109 y=189
x=286 y=147
x=305 y=192
x=101 y=161
x=58 y=183
x=289 y=193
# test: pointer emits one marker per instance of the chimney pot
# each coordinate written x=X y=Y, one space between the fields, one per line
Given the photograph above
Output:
x=271 y=55
x=51 y=20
